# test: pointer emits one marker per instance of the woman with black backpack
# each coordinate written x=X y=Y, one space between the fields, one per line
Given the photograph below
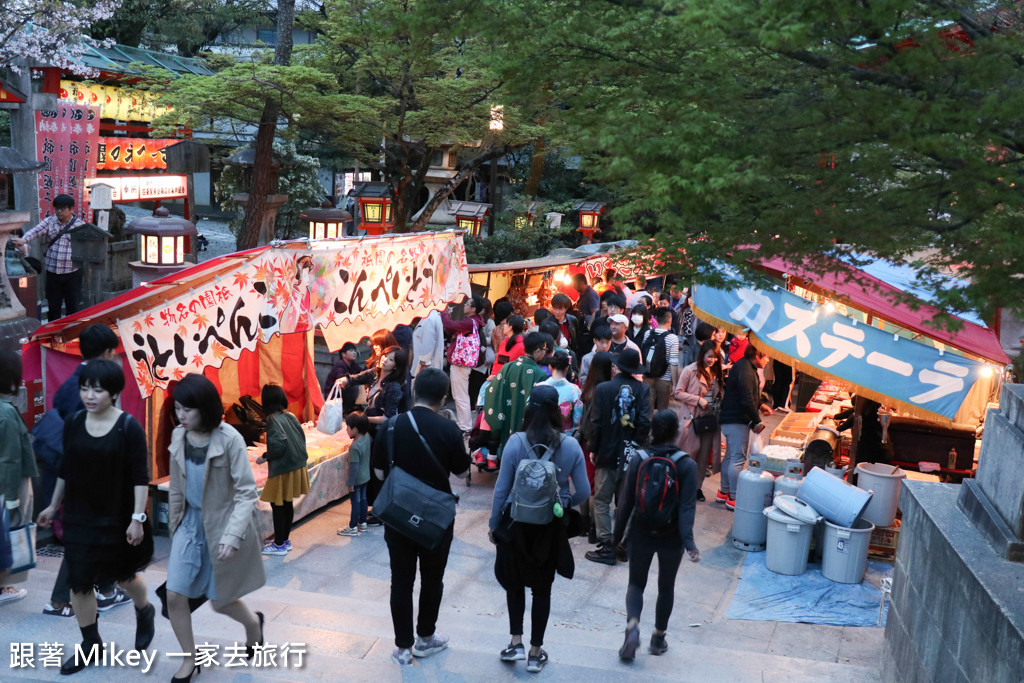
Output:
x=660 y=492
x=532 y=520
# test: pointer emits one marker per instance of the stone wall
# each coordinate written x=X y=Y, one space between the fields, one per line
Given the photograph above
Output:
x=957 y=609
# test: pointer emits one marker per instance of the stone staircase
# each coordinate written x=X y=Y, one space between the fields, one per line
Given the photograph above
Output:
x=331 y=594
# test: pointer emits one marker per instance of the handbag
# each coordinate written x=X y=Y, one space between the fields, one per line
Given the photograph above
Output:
x=193 y=603
x=332 y=415
x=465 y=351
x=409 y=506
x=705 y=424
x=23 y=548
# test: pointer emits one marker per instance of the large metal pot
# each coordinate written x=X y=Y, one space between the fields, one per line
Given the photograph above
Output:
x=821 y=448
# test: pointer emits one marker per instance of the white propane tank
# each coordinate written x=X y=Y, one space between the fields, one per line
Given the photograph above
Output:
x=753 y=495
x=789 y=484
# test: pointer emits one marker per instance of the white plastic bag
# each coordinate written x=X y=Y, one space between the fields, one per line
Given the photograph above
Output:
x=332 y=414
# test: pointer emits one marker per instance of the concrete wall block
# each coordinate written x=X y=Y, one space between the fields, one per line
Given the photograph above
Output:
x=947 y=670
x=929 y=644
x=975 y=655
x=1000 y=468
x=1011 y=404
x=900 y=589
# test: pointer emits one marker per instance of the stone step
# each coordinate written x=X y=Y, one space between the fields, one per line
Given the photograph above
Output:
x=351 y=639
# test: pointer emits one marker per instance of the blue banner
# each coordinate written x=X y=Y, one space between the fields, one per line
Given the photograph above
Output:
x=881 y=362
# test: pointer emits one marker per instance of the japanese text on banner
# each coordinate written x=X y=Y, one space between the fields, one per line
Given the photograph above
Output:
x=349 y=288
x=900 y=368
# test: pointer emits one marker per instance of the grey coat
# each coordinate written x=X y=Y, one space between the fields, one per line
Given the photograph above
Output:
x=229 y=505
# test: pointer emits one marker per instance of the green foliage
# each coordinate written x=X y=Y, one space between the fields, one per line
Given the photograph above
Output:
x=298 y=180
x=189 y=25
x=800 y=130
x=386 y=83
x=509 y=243
x=5 y=128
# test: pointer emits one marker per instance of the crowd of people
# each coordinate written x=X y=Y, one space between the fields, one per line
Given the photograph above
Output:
x=600 y=409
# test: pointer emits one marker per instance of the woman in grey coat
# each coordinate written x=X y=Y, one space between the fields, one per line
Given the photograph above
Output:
x=215 y=548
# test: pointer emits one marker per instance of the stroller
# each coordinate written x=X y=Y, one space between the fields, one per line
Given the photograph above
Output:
x=482 y=445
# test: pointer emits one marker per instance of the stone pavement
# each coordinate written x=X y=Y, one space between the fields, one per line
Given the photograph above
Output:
x=331 y=594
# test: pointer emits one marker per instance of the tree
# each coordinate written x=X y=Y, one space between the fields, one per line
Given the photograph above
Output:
x=762 y=127
x=48 y=32
x=387 y=83
x=189 y=25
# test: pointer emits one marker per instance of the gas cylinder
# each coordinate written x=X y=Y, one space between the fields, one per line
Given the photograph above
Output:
x=789 y=483
x=753 y=495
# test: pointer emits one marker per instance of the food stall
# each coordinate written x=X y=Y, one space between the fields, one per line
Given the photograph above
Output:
x=937 y=383
x=529 y=284
x=247 y=319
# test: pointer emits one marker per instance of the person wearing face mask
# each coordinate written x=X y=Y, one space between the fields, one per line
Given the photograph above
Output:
x=639 y=324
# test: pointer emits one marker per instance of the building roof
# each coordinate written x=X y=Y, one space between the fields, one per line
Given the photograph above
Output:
x=125 y=59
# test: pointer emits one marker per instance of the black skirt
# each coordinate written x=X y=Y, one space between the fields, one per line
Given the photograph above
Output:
x=91 y=563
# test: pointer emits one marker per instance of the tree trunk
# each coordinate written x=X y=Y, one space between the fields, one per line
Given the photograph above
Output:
x=536 y=168
x=446 y=190
x=262 y=172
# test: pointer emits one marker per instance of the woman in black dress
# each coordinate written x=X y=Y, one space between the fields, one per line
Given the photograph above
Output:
x=104 y=485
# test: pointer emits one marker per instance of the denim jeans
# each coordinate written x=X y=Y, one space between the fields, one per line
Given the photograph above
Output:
x=358 y=501
x=737 y=443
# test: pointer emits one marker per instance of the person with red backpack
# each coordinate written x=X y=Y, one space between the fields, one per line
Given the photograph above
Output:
x=660 y=493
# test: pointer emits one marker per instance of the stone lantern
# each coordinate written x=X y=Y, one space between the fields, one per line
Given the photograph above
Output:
x=163 y=242
x=14 y=324
x=327 y=222
x=246 y=158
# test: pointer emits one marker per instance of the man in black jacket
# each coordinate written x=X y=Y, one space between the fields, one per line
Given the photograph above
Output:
x=622 y=412
x=445 y=440
x=741 y=414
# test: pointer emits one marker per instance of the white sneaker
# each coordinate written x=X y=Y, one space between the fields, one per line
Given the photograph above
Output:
x=402 y=656
x=11 y=594
x=349 y=531
x=363 y=527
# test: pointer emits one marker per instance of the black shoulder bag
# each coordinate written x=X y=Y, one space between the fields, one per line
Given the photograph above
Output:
x=409 y=506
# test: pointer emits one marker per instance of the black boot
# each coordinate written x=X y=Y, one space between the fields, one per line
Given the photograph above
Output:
x=90 y=640
x=144 y=627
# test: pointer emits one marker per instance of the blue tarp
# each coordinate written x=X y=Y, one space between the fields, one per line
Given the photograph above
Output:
x=809 y=598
